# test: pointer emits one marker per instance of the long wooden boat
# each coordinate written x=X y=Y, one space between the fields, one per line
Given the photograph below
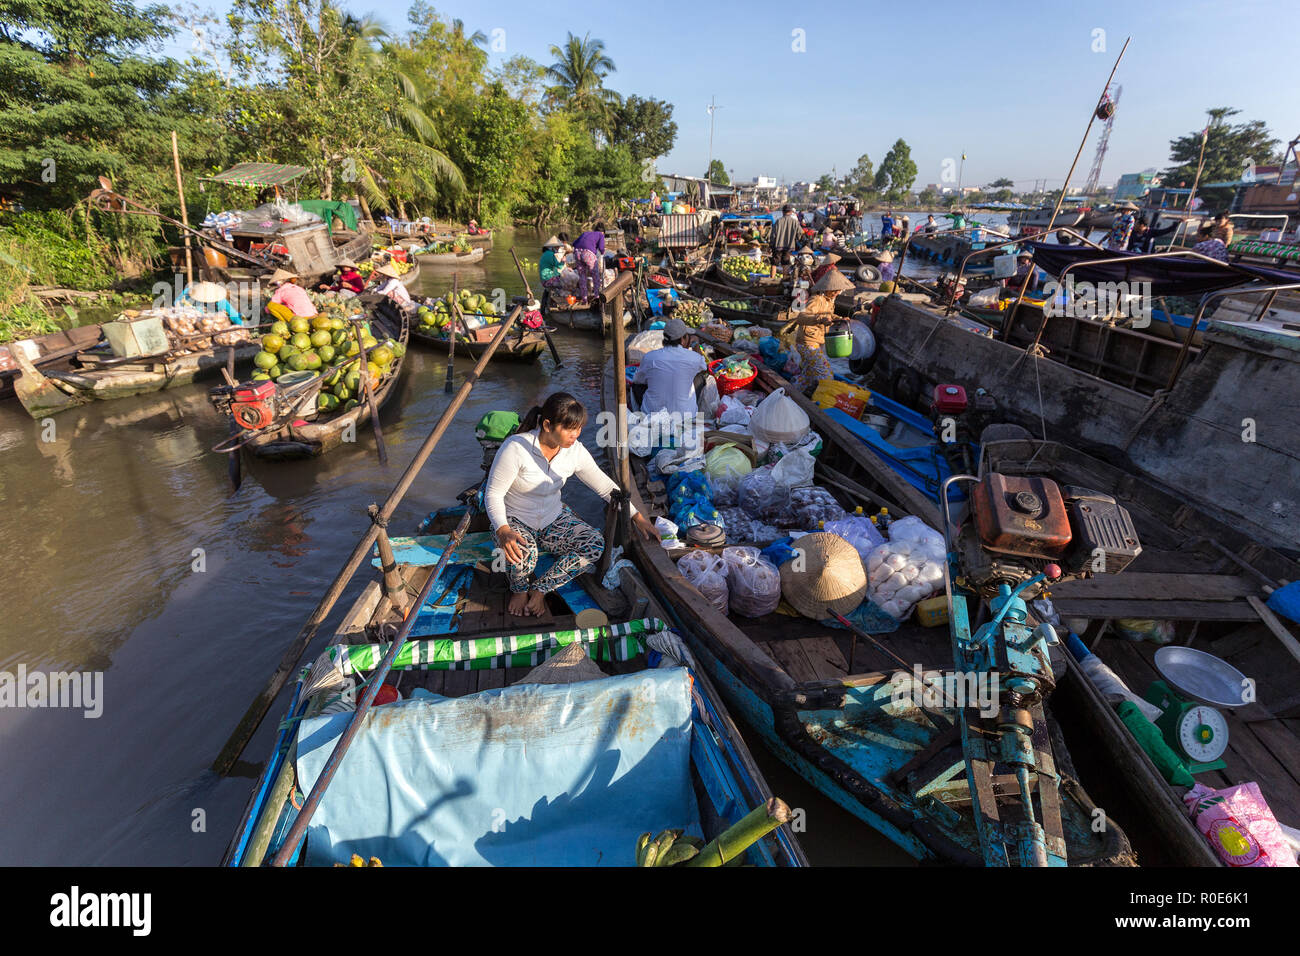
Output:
x=312 y=438
x=452 y=258
x=770 y=288
x=501 y=764
x=54 y=351
x=1204 y=581
x=763 y=310
x=828 y=705
x=526 y=347
x=96 y=375
x=857 y=257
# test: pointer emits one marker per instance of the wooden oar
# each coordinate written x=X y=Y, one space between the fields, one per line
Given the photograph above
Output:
x=451 y=345
x=370 y=392
x=527 y=288
x=234 y=464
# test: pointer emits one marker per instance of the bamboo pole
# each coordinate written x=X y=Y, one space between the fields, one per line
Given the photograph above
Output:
x=252 y=718
x=1200 y=165
x=451 y=339
x=739 y=837
x=185 y=216
x=1092 y=118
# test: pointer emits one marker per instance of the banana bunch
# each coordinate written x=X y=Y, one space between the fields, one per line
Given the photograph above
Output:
x=357 y=861
x=669 y=848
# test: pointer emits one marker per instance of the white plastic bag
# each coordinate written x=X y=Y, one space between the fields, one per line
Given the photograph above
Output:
x=667 y=534
x=757 y=491
x=708 y=399
x=708 y=572
x=754 y=583
x=779 y=418
x=859 y=532
x=642 y=344
x=795 y=469
x=732 y=412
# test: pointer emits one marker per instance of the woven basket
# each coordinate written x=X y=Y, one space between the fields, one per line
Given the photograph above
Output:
x=832 y=579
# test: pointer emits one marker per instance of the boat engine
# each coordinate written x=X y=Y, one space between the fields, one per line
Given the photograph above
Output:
x=1024 y=525
x=253 y=405
x=958 y=417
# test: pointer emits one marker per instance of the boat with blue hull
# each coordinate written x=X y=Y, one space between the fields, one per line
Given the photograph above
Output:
x=848 y=708
x=477 y=755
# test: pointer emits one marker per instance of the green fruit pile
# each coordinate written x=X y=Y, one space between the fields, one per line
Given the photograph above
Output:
x=740 y=266
x=692 y=312
x=436 y=317
x=739 y=305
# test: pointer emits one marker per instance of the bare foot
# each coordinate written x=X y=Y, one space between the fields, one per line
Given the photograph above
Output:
x=518 y=605
x=536 y=603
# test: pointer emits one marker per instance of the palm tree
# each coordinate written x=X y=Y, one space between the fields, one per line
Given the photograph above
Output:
x=478 y=38
x=579 y=71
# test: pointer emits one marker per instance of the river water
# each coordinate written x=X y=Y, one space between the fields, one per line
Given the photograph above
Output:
x=128 y=557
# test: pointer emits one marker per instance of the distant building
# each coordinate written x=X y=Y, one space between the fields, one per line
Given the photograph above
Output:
x=1134 y=185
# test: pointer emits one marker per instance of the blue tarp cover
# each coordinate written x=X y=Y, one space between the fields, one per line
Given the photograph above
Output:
x=1168 y=275
x=530 y=775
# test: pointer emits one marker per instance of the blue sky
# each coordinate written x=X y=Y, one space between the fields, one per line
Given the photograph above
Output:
x=1010 y=83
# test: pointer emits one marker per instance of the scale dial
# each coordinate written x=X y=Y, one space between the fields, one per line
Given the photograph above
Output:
x=1202 y=733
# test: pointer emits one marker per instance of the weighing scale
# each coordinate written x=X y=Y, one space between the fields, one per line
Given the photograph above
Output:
x=1195 y=684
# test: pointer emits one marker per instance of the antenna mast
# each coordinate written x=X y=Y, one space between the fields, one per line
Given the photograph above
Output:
x=1094 y=174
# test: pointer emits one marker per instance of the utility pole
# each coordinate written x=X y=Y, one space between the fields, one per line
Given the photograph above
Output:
x=961 y=169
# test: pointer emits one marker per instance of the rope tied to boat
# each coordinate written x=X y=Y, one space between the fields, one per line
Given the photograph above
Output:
x=377 y=519
x=1157 y=399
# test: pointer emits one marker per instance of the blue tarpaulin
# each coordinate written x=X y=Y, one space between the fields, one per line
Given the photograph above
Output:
x=530 y=775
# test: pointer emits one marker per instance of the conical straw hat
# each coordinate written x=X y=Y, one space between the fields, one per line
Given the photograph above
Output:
x=206 y=292
x=832 y=281
x=831 y=578
x=390 y=271
x=282 y=275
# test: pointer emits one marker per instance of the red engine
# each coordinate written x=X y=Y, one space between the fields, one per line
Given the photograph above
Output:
x=948 y=400
x=252 y=405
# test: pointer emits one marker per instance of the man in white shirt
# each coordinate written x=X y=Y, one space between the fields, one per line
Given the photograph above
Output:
x=669 y=373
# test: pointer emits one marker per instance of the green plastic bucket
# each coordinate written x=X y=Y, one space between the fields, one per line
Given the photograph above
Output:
x=839 y=342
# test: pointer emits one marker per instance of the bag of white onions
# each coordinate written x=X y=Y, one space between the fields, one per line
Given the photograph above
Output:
x=905 y=569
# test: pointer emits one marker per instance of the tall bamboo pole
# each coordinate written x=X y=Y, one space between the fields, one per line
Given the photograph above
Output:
x=1200 y=165
x=1092 y=118
x=185 y=216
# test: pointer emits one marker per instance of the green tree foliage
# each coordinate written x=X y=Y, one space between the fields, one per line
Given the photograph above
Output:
x=897 y=172
x=718 y=173
x=578 y=80
x=825 y=184
x=861 y=178
x=80 y=97
x=644 y=126
x=1228 y=147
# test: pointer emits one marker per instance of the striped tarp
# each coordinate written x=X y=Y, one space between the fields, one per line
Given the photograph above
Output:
x=1258 y=247
x=679 y=231
x=490 y=653
x=258 y=174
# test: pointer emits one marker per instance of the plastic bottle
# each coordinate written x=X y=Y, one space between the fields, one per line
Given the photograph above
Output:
x=858 y=511
x=883 y=520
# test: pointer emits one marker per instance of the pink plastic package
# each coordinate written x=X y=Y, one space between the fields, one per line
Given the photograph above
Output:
x=1239 y=826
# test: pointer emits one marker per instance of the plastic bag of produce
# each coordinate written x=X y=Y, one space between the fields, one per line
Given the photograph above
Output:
x=779 y=418
x=859 y=532
x=731 y=411
x=708 y=573
x=928 y=541
x=708 y=398
x=692 y=511
x=1239 y=825
x=753 y=583
x=688 y=484
x=811 y=506
x=758 y=489
x=667 y=534
x=748 y=396
x=794 y=470
x=728 y=463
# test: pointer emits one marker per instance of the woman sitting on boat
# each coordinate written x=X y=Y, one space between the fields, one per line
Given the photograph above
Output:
x=210 y=297
x=813 y=321
x=553 y=270
x=522 y=498
x=290 y=295
x=348 y=279
x=392 y=285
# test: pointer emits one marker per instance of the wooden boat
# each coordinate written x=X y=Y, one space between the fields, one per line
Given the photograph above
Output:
x=1207 y=579
x=763 y=310
x=452 y=258
x=96 y=375
x=599 y=315
x=768 y=287
x=827 y=705
x=52 y=352
x=526 y=346
x=857 y=257
x=503 y=765
x=322 y=433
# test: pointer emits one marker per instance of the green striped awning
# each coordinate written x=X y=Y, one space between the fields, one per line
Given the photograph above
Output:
x=258 y=174
x=490 y=653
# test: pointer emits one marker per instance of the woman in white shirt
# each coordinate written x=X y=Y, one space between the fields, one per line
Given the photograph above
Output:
x=393 y=286
x=523 y=503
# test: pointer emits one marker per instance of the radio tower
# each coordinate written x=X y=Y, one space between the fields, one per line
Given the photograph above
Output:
x=1094 y=174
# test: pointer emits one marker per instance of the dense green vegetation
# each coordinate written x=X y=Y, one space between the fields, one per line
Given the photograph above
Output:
x=411 y=124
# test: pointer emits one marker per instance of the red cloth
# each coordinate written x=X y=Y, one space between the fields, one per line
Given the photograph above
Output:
x=351 y=280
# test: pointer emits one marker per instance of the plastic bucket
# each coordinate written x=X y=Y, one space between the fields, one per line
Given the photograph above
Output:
x=839 y=342
x=667 y=208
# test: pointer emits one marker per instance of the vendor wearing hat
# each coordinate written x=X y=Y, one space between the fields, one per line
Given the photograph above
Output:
x=392 y=284
x=210 y=297
x=1024 y=267
x=813 y=323
x=827 y=265
x=1117 y=240
x=886 y=260
x=553 y=270
x=348 y=278
x=672 y=375
x=785 y=234
x=290 y=295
